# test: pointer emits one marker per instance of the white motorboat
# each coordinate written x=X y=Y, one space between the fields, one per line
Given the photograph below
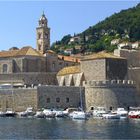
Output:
x=29 y=112
x=10 y=113
x=99 y=111
x=111 y=116
x=134 y=113
x=78 y=115
x=122 y=112
x=49 y=113
x=2 y=114
x=40 y=114
x=59 y=113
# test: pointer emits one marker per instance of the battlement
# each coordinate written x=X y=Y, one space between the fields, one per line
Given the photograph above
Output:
x=108 y=83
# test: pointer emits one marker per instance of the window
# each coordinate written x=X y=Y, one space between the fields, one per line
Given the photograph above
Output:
x=53 y=65
x=39 y=35
x=48 y=100
x=67 y=100
x=5 y=68
x=57 y=100
x=39 y=47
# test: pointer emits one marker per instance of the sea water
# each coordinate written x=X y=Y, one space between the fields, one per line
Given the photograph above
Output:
x=32 y=128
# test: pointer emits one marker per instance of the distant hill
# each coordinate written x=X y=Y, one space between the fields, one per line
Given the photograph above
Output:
x=124 y=25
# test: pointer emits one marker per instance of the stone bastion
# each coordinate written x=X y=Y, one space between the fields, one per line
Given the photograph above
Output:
x=113 y=93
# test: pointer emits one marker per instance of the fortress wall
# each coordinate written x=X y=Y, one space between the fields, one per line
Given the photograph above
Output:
x=62 y=92
x=29 y=78
x=111 y=95
x=18 y=99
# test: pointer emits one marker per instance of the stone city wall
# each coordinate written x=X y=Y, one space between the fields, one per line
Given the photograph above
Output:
x=29 y=78
x=18 y=99
x=111 y=94
x=60 y=96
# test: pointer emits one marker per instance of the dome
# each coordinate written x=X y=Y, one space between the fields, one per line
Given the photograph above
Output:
x=43 y=17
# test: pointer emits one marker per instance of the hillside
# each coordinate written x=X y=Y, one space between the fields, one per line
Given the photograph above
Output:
x=124 y=25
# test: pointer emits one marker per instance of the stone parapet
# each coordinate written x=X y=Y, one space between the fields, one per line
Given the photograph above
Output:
x=109 y=83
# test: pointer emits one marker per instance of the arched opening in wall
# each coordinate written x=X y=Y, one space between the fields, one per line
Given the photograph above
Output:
x=5 y=68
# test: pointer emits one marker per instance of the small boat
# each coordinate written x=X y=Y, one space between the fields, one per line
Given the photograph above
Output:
x=10 y=113
x=111 y=116
x=29 y=112
x=2 y=114
x=134 y=113
x=40 y=114
x=99 y=111
x=78 y=115
x=49 y=113
x=59 y=114
x=122 y=112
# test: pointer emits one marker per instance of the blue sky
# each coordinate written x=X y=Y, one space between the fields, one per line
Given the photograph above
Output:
x=19 y=19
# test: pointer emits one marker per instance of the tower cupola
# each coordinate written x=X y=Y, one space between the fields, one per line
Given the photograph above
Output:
x=43 y=21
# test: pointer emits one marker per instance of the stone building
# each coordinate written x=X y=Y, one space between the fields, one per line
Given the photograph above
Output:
x=43 y=79
x=104 y=79
x=33 y=66
x=133 y=60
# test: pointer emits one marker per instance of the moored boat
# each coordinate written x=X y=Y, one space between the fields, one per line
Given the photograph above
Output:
x=111 y=116
x=10 y=113
x=122 y=112
x=99 y=111
x=40 y=114
x=134 y=113
x=27 y=113
x=49 y=113
x=78 y=115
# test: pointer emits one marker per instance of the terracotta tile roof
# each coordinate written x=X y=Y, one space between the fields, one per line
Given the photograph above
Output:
x=69 y=58
x=51 y=52
x=28 y=51
x=8 y=53
x=100 y=55
x=69 y=70
x=21 y=52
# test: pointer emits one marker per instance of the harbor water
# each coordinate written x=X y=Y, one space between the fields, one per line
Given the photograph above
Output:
x=33 y=128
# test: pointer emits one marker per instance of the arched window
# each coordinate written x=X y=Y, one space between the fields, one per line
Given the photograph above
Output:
x=5 y=68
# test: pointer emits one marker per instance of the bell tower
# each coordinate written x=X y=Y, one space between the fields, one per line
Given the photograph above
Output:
x=43 y=35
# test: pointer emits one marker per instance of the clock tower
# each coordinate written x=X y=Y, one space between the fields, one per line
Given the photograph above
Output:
x=43 y=35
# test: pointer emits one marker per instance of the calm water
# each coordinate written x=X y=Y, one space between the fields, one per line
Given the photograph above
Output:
x=29 y=128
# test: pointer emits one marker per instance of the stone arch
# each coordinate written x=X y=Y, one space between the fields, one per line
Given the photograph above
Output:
x=71 y=80
x=79 y=80
x=62 y=81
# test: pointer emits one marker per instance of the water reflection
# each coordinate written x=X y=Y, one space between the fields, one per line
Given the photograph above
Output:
x=63 y=128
